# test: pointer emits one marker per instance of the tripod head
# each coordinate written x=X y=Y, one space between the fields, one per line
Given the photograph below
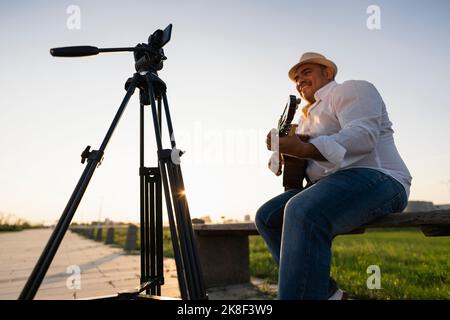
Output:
x=148 y=56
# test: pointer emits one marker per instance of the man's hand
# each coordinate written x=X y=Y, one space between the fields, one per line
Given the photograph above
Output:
x=295 y=146
x=292 y=145
x=269 y=140
x=304 y=137
x=275 y=164
x=298 y=146
x=288 y=141
x=289 y=144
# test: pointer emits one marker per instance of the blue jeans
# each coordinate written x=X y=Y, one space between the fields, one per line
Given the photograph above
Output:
x=299 y=227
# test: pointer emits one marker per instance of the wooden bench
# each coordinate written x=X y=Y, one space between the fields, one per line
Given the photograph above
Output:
x=224 y=248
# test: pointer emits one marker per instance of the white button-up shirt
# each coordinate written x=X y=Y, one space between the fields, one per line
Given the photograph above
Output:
x=350 y=127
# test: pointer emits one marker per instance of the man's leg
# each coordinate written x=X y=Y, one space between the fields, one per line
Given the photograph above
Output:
x=335 y=204
x=269 y=222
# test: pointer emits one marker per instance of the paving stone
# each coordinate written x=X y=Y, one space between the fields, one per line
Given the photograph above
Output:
x=105 y=270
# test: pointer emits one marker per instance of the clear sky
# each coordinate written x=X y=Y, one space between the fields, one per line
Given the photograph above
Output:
x=227 y=85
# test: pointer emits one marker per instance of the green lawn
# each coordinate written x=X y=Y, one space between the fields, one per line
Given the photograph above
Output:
x=412 y=266
x=16 y=225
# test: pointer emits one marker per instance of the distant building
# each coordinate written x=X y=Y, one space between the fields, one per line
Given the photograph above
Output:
x=420 y=206
x=247 y=218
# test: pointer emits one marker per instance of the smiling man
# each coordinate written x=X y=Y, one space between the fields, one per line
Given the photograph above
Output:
x=356 y=174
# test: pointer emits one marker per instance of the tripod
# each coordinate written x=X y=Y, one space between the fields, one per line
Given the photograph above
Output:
x=167 y=176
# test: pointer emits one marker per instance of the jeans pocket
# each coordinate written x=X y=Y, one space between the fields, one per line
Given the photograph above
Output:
x=400 y=202
x=396 y=204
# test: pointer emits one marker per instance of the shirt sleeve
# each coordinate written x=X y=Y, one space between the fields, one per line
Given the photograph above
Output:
x=358 y=107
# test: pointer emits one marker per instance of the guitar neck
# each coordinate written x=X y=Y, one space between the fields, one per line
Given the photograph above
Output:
x=292 y=130
x=288 y=130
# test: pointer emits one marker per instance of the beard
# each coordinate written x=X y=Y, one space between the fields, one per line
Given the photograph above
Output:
x=308 y=97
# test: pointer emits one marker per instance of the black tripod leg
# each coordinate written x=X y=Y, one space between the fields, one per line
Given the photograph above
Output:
x=152 y=260
x=185 y=224
x=186 y=249
x=195 y=259
x=159 y=229
x=152 y=268
x=156 y=231
x=173 y=231
x=152 y=237
x=192 y=245
x=188 y=269
x=184 y=230
x=143 y=200
x=94 y=157
x=39 y=271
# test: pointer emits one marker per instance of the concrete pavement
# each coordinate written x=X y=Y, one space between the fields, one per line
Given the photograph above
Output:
x=104 y=270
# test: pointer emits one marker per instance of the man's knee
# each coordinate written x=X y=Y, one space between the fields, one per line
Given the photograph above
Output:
x=269 y=217
x=259 y=217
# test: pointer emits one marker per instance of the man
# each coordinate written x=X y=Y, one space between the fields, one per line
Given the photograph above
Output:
x=356 y=172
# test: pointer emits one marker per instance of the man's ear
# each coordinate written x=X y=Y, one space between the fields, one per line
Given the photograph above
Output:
x=329 y=73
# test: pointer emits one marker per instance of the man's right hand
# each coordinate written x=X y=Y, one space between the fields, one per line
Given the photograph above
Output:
x=276 y=163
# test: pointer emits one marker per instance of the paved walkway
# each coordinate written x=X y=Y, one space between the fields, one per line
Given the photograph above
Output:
x=104 y=270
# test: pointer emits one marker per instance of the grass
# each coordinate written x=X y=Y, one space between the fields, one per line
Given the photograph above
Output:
x=9 y=223
x=412 y=266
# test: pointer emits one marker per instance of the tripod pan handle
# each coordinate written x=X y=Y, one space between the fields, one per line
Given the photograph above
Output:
x=77 y=51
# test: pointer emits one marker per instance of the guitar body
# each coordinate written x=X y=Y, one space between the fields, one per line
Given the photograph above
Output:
x=293 y=173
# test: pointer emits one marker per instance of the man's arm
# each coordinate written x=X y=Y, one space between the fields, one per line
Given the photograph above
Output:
x=295 y=147
x=358 y=107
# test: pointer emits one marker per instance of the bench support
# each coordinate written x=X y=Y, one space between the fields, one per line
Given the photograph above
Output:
x=224 y=259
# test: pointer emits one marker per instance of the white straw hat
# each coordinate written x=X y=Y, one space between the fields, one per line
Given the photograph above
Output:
x=312 y=57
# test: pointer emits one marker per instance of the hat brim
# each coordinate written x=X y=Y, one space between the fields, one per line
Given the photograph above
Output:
x=321 y=61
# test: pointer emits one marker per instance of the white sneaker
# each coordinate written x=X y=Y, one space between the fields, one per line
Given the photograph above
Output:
x=338 y=295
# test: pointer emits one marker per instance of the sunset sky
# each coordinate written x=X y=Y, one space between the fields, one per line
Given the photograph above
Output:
x=227 y=86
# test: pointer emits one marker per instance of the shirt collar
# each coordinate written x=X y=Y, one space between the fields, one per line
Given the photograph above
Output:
x=319 y=95
x=324 y=91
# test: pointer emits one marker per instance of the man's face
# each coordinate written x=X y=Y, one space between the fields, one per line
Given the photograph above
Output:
x=310 y=77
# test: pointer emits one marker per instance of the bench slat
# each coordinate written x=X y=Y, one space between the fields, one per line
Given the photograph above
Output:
x=412 y=219
x=432 y=223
